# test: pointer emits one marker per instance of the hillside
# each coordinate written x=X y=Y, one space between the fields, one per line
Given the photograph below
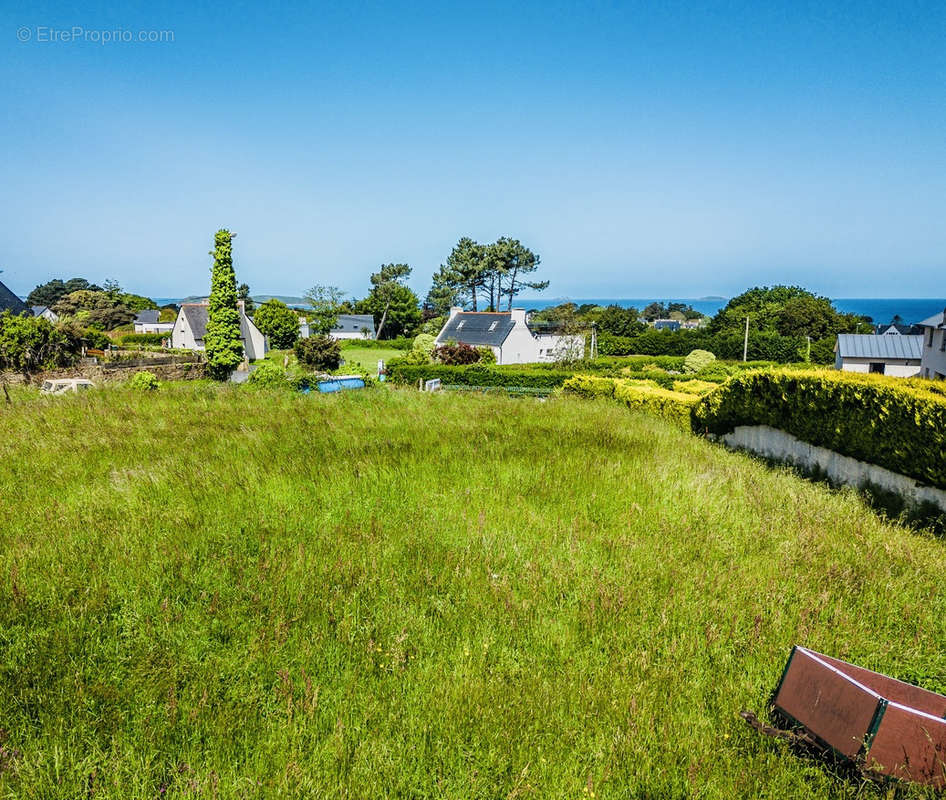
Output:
x=217 y=592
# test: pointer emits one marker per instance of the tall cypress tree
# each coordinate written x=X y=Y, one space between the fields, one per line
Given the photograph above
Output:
x=222 y=341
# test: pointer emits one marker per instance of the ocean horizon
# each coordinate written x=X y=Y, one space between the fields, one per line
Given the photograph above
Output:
x=880 y=309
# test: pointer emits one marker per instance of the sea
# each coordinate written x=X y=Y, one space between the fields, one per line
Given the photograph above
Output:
x=880 y=309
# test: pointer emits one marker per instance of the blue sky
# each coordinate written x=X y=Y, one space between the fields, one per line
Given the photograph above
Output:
x=656 y=149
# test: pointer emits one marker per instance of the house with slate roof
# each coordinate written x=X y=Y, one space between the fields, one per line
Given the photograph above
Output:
x=148 y=321
x=10 y=302
x=883 y=355
x=933 y=357
x=191 y=328
x=347 y=326
x=45 y=312
x=509 y=336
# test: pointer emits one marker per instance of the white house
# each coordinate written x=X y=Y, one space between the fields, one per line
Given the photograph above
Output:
x=147 y=321
x=347 y=326
x=45 y=312
x=191 y=327
x=933 y=358
x=509 y=336
x=884 y=355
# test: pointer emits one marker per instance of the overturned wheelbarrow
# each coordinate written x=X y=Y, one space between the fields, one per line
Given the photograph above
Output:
x=887 y=727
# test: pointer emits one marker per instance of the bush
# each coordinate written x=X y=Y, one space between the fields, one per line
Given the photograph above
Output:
x=889 y=422
x=456 y=354
x=279 y=322
x=269 y=376
x=762 y=346
x=424 y=342
x=400 y=343
x=318 y=352
x=674 y=407
x=487 y=355
x=698 y=360
x=142 y=338
x=477 y=375
x=415 y=357
x=694 y=386
x=143 y=382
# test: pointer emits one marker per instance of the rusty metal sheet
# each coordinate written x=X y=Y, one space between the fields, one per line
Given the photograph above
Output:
x=833 y=706
x=910 y=745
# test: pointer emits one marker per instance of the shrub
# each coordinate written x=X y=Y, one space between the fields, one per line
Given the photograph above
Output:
x=279 y=322
x=889 y=422
x=674 y=407
x=454 y=354
x=487 y=355
x=269 y=376
x=413 y=357
x=478 y=375
x=424 y=342
x=142 y=338
x=143 y=382
x=318 y=352
x=400 y=343
x=698 y=360
x=694 y=386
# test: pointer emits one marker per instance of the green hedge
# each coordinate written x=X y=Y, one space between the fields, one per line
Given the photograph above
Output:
x=144 y=338
x=477 y=375
x=896 y=424
x=675 y=407
x=762 y=346
x=400 y=343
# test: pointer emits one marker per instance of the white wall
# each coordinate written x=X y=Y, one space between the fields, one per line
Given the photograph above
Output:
x=898 y=368
x=182 y=337
x=783 y=447
x=934 y=359
x=154 y=327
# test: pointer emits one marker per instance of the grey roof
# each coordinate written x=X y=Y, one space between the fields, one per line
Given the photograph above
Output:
x=149 y=316
x=196 y=316
x=10 y=302
x=353 y=323
x=936 y=321
x=477 y=328
x=37 y=310
x=866 y=345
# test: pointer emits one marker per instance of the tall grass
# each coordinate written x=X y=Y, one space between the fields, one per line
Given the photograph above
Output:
x=208 y=592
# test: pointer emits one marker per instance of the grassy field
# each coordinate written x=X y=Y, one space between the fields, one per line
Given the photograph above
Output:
x=214 y=592
x=365 y=359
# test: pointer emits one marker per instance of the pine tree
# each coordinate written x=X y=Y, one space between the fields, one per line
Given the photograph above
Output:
x=222 y=341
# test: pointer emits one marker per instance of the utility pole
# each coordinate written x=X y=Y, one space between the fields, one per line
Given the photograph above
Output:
x=745 y=344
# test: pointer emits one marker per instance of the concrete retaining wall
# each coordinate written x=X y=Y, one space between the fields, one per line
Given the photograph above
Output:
x=783 y=447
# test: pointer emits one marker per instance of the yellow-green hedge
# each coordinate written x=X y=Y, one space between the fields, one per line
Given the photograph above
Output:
x=675 y=407
x=890 y=422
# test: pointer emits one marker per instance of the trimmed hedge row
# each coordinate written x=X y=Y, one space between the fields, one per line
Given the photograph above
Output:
x=144 y=338
x=400 y=343
x=762 y=346
x=477 y=375
x=889 y=422
x=674 y=407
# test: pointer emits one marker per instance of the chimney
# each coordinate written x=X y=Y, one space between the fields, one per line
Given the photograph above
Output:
x=454 y=310
x=518 y=315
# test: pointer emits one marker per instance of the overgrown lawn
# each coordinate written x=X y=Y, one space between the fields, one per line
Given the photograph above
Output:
x=216 y=592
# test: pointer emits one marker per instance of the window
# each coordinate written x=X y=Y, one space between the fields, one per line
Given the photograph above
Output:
x=492 y=325
x=929 y=338
x=942 y=343
x=877 y=367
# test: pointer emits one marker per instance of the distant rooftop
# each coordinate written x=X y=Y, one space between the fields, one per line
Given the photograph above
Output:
x=866 y=345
